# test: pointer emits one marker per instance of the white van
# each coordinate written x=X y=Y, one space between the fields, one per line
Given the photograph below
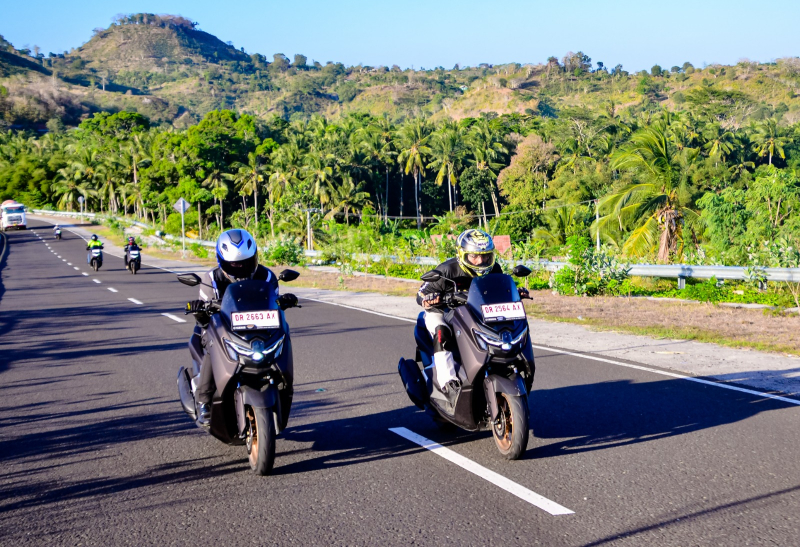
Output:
x=12 y=215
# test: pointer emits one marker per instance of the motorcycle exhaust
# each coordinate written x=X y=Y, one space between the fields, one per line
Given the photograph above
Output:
x=413 y=382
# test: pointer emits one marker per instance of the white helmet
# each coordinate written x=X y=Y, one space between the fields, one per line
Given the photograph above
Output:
x=237 y=254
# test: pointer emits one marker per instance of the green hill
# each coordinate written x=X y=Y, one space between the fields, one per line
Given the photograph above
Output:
x=167 y=69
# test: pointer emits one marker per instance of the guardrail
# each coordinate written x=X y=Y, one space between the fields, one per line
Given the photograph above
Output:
x=681 y=272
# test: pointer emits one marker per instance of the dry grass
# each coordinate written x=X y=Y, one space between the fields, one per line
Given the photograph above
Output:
x=703 y=322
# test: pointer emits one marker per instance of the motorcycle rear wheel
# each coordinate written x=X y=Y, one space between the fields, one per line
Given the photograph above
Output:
x=261 y=439
x=511 y=435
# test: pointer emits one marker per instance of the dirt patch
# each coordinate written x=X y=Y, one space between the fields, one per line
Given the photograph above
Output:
x=336 y=282
x=704 y=322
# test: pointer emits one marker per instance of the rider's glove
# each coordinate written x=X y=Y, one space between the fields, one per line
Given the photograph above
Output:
x=195 y=306
x=286 y=301
x=523 y=293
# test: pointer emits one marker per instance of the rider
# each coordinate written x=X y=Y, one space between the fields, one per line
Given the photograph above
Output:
x=93 y=243
x=130 y=246
x=237 y=259
x=476 y=258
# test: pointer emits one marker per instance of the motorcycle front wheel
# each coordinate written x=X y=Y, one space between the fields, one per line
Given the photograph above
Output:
x=511 y=434
x=261 y=439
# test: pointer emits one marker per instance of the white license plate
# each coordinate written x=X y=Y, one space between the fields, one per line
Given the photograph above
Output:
x=256 y=320
x=503 y=312
x=134 y=254
x=96 y=252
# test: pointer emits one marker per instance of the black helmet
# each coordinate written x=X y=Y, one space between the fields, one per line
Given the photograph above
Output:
x=94 y=237
x=237 y=254
x=475 y=252
x=131 y=239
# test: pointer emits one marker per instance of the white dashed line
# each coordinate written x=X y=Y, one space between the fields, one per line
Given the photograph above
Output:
x=84 y=273
x=76 y=268
x=96 y=280
x=487 y=474
x=112 y=289
x=135 y=301
x=69 y=263
x=174 y=317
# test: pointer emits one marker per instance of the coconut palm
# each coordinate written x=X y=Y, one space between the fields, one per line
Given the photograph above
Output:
x=768 y=141
x=487 y=149
x=654 y=207
x=448 y=148
x=414 y=150
x=216 y=182
x=348 y=195
x=320 y=177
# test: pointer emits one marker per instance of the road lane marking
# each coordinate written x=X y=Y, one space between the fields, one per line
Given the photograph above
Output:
x=75 y=267
x=487 y=474
x=672 y=375
x=96 y=280
x=84 y=273
x=135 y=301
x=112 y=289
x=593 y=358
x=69 y=263
x=174 y=317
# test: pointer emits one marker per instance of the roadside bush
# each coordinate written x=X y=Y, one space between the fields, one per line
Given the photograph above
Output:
x=284 y=251
x=589 y=272
x=199 y=250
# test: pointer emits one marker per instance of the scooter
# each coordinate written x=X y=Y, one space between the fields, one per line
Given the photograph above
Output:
x=57 y=234
x=494 y=362
x=248 y=341
x=134 y=261
x=97 y=258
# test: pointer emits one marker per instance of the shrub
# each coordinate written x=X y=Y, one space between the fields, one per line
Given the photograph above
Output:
x=284 y=251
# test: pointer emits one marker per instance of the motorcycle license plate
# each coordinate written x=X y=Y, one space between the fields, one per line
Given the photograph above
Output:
x=255 y=320
x=134 y=254
x=503 y=312
x=96 y=252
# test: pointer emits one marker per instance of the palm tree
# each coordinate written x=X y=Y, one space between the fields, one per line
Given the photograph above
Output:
x=767 y=140
x=413 y=150
x=654 y=209
x=215 y=181
x=485 y=144
x=448 y=150
x=348 y=196
x=719 y=143
x=320 y=176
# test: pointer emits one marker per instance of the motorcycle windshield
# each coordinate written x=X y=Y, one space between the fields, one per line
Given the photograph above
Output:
x=491 y=289
x=248 y=296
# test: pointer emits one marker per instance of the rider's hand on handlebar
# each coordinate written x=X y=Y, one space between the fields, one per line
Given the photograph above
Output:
x=288 y=300
x=431 y=300
x=523 y=293
x=195 y=306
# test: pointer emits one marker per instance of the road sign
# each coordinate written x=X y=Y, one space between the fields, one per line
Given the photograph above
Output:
x=181 y=205
x=80 y=199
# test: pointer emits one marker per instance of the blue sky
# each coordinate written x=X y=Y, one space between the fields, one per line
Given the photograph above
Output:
x=445 y=32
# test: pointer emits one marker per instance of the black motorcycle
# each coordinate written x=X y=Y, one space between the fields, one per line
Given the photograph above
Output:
x=134 y=259
x=96 y=260
x=494 y=362
x=247 y=339
x=57 y=234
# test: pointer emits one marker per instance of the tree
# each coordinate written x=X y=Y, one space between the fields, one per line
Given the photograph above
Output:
x=767 y=140
x=447 y=151
x=485 y=144
x=414 y=150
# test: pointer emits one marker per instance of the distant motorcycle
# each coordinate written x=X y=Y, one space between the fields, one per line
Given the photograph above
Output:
x=495 y=362
x=96 y=261
x=134 y=261
x=250 y=347
x=57 y=234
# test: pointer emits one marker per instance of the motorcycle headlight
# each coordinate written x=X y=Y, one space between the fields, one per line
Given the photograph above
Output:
x=255 y=352
x=506 y=343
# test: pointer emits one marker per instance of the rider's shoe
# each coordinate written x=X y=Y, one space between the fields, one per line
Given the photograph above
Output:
x=204 y=414
x=451 y=390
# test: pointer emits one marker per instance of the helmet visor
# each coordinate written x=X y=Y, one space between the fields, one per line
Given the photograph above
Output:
x=480 y=260
x=241 y=269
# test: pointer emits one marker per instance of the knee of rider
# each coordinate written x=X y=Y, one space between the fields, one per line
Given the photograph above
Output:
x=442 y=338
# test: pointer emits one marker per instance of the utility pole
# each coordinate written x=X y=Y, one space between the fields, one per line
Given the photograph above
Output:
x=597 y=221
x=309 y=235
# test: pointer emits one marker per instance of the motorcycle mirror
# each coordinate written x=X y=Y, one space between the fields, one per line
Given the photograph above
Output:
x=288 y=275
x=189 y=279
x=431 y=276
x=521 y=271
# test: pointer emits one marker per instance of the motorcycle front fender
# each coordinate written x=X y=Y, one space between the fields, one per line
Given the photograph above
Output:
x=494 y=384
x=248 y=396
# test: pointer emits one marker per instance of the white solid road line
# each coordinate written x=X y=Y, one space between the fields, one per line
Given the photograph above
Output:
x=174 y=317
x=135 y=301
x=672 y=375
x=112 y=289
x=609 y=361
x=96 y=280
x=487 y=474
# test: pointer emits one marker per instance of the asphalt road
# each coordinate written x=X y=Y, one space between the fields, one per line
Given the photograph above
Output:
x=95 y=450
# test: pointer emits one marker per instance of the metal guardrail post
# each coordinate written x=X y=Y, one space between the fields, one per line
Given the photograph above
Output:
x=681 y=282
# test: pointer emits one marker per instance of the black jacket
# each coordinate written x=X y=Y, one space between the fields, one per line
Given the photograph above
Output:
x=452 y=270
x=220 y=282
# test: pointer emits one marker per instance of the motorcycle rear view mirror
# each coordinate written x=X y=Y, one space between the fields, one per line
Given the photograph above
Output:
x=189 y=279
x=521 y=271
x=431 y=276
x=288 y=275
